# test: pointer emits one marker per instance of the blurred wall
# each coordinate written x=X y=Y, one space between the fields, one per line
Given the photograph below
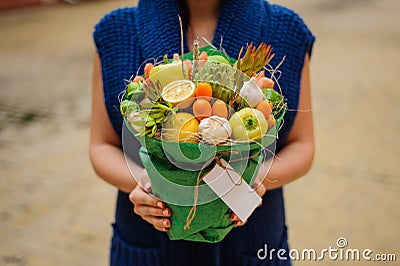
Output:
x=7 y=4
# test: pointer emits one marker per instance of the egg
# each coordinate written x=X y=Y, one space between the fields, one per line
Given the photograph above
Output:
x=219 y=109
x=201 y=109
x=265 y=108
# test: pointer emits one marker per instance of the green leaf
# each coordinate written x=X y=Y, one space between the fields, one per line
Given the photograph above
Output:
x=160 y=120
x=279 y=106
x=166 y=61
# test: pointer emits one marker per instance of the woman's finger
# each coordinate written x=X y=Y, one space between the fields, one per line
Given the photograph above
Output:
x=240 y=223
x=147 y=187
x=158 y=223
x=139 y=197
x=145 y=210
x=235 y=219
x=260 y=188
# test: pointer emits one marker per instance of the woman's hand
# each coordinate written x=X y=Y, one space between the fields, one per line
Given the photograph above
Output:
x=260 y=189
x=150 y=208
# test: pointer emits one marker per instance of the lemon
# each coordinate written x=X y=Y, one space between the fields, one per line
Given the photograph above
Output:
x=179 y=92
x=181 y=128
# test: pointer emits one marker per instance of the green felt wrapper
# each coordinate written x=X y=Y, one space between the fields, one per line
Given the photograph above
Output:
x=211 y=222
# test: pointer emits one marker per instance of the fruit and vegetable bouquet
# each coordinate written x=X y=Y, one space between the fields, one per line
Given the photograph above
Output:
x=189 y=112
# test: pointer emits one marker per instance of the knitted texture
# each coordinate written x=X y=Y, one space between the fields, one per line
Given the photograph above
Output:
x=126 y=37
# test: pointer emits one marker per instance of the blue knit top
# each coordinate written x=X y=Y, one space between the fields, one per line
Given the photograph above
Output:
x=126 y=37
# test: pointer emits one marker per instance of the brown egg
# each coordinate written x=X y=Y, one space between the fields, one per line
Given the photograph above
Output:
x=219 y=109
x=201 y=109
x=265 y=108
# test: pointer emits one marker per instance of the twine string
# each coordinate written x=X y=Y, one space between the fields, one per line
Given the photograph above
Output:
x=200 y=177
x=192 y=211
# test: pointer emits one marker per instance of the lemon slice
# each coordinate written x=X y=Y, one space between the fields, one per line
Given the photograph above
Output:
x=179 y=91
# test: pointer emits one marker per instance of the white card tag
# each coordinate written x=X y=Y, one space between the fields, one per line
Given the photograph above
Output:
x=236 y=193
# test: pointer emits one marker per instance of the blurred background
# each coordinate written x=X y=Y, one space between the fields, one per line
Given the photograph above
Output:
x=55 y=211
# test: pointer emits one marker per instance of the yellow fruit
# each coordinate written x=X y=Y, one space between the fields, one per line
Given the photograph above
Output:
x=179 y=91
x=181 y=128
x=168 y=73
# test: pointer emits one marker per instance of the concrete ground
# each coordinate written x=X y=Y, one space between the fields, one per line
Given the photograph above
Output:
x=55 y=211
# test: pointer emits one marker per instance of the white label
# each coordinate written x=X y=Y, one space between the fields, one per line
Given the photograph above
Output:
x=233 y=190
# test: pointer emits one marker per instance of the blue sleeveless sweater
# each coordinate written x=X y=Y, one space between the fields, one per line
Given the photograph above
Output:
x=126 y=37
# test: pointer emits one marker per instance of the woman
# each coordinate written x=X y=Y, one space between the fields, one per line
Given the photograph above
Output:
x=124 y=39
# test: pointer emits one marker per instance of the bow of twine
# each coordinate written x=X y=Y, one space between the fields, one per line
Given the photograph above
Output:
x=200 y=177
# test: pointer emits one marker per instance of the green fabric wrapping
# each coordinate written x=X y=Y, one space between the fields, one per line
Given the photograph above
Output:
x=211 y=222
